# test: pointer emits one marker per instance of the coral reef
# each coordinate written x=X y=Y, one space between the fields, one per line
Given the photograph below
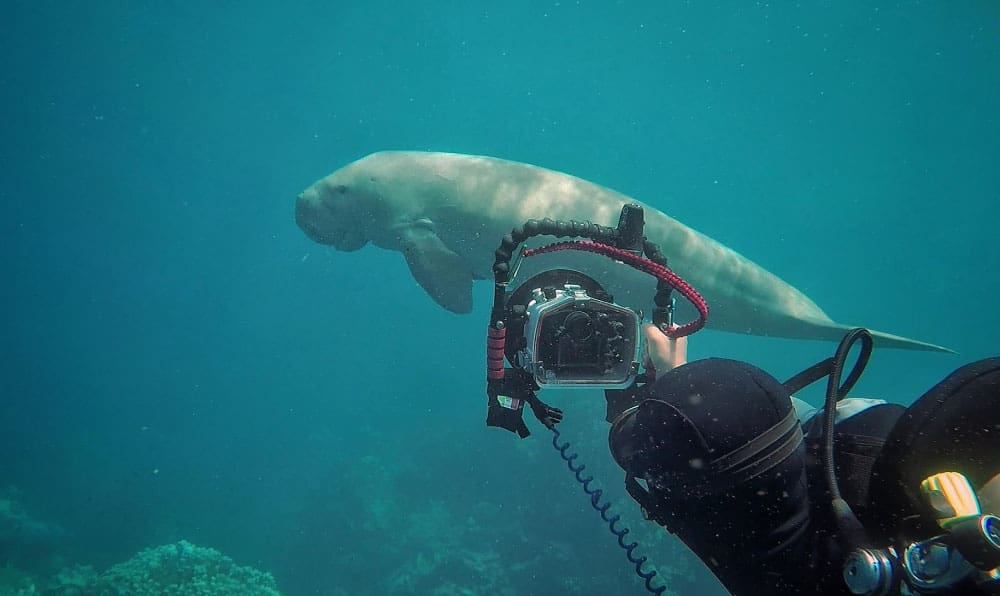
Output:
x=184 y=568
x=174 y=569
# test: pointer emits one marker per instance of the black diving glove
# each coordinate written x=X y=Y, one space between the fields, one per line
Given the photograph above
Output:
x=545 y=413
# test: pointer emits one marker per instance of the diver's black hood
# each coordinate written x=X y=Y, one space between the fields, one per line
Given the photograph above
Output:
x=749 y=531
x=696 y=413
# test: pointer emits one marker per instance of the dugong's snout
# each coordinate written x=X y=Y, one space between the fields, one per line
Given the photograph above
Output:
x=324 y=224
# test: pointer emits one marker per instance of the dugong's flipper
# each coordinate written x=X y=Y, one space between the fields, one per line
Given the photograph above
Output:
x=444 y=275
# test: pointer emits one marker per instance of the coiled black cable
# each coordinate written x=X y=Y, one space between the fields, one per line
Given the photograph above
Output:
x=602 y=508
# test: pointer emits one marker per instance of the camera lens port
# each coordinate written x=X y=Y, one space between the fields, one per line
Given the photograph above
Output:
x=579 y=326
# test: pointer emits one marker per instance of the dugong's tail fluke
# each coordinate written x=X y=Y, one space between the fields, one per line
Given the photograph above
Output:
x=833 y=331
x=888 y=340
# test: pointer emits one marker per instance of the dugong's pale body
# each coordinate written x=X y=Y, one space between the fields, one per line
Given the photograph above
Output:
x=447 y=212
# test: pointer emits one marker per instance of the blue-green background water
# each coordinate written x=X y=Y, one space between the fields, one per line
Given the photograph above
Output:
x=180 y=361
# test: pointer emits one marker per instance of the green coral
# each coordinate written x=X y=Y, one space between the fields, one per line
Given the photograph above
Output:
x=175 y=570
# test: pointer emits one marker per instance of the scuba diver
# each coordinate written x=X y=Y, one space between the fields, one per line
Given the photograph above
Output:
x=775 y=497
x=731 y=465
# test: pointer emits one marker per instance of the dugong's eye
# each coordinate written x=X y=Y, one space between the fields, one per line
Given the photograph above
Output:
x=340 y=189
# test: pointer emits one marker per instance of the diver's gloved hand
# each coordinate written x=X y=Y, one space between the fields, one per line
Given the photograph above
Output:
x=663 y=354
x=545 y=413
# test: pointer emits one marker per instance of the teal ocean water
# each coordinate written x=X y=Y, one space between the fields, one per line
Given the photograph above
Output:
x=181 y=363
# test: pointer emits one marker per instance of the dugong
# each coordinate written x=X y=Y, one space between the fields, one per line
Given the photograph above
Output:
x=447 y=212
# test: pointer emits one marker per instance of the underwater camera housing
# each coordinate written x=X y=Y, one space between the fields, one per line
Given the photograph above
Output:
x=580 y=340
x=561 y=329
x=572 y=333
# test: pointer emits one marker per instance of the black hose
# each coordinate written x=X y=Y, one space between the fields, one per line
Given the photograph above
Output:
x=850 y=532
